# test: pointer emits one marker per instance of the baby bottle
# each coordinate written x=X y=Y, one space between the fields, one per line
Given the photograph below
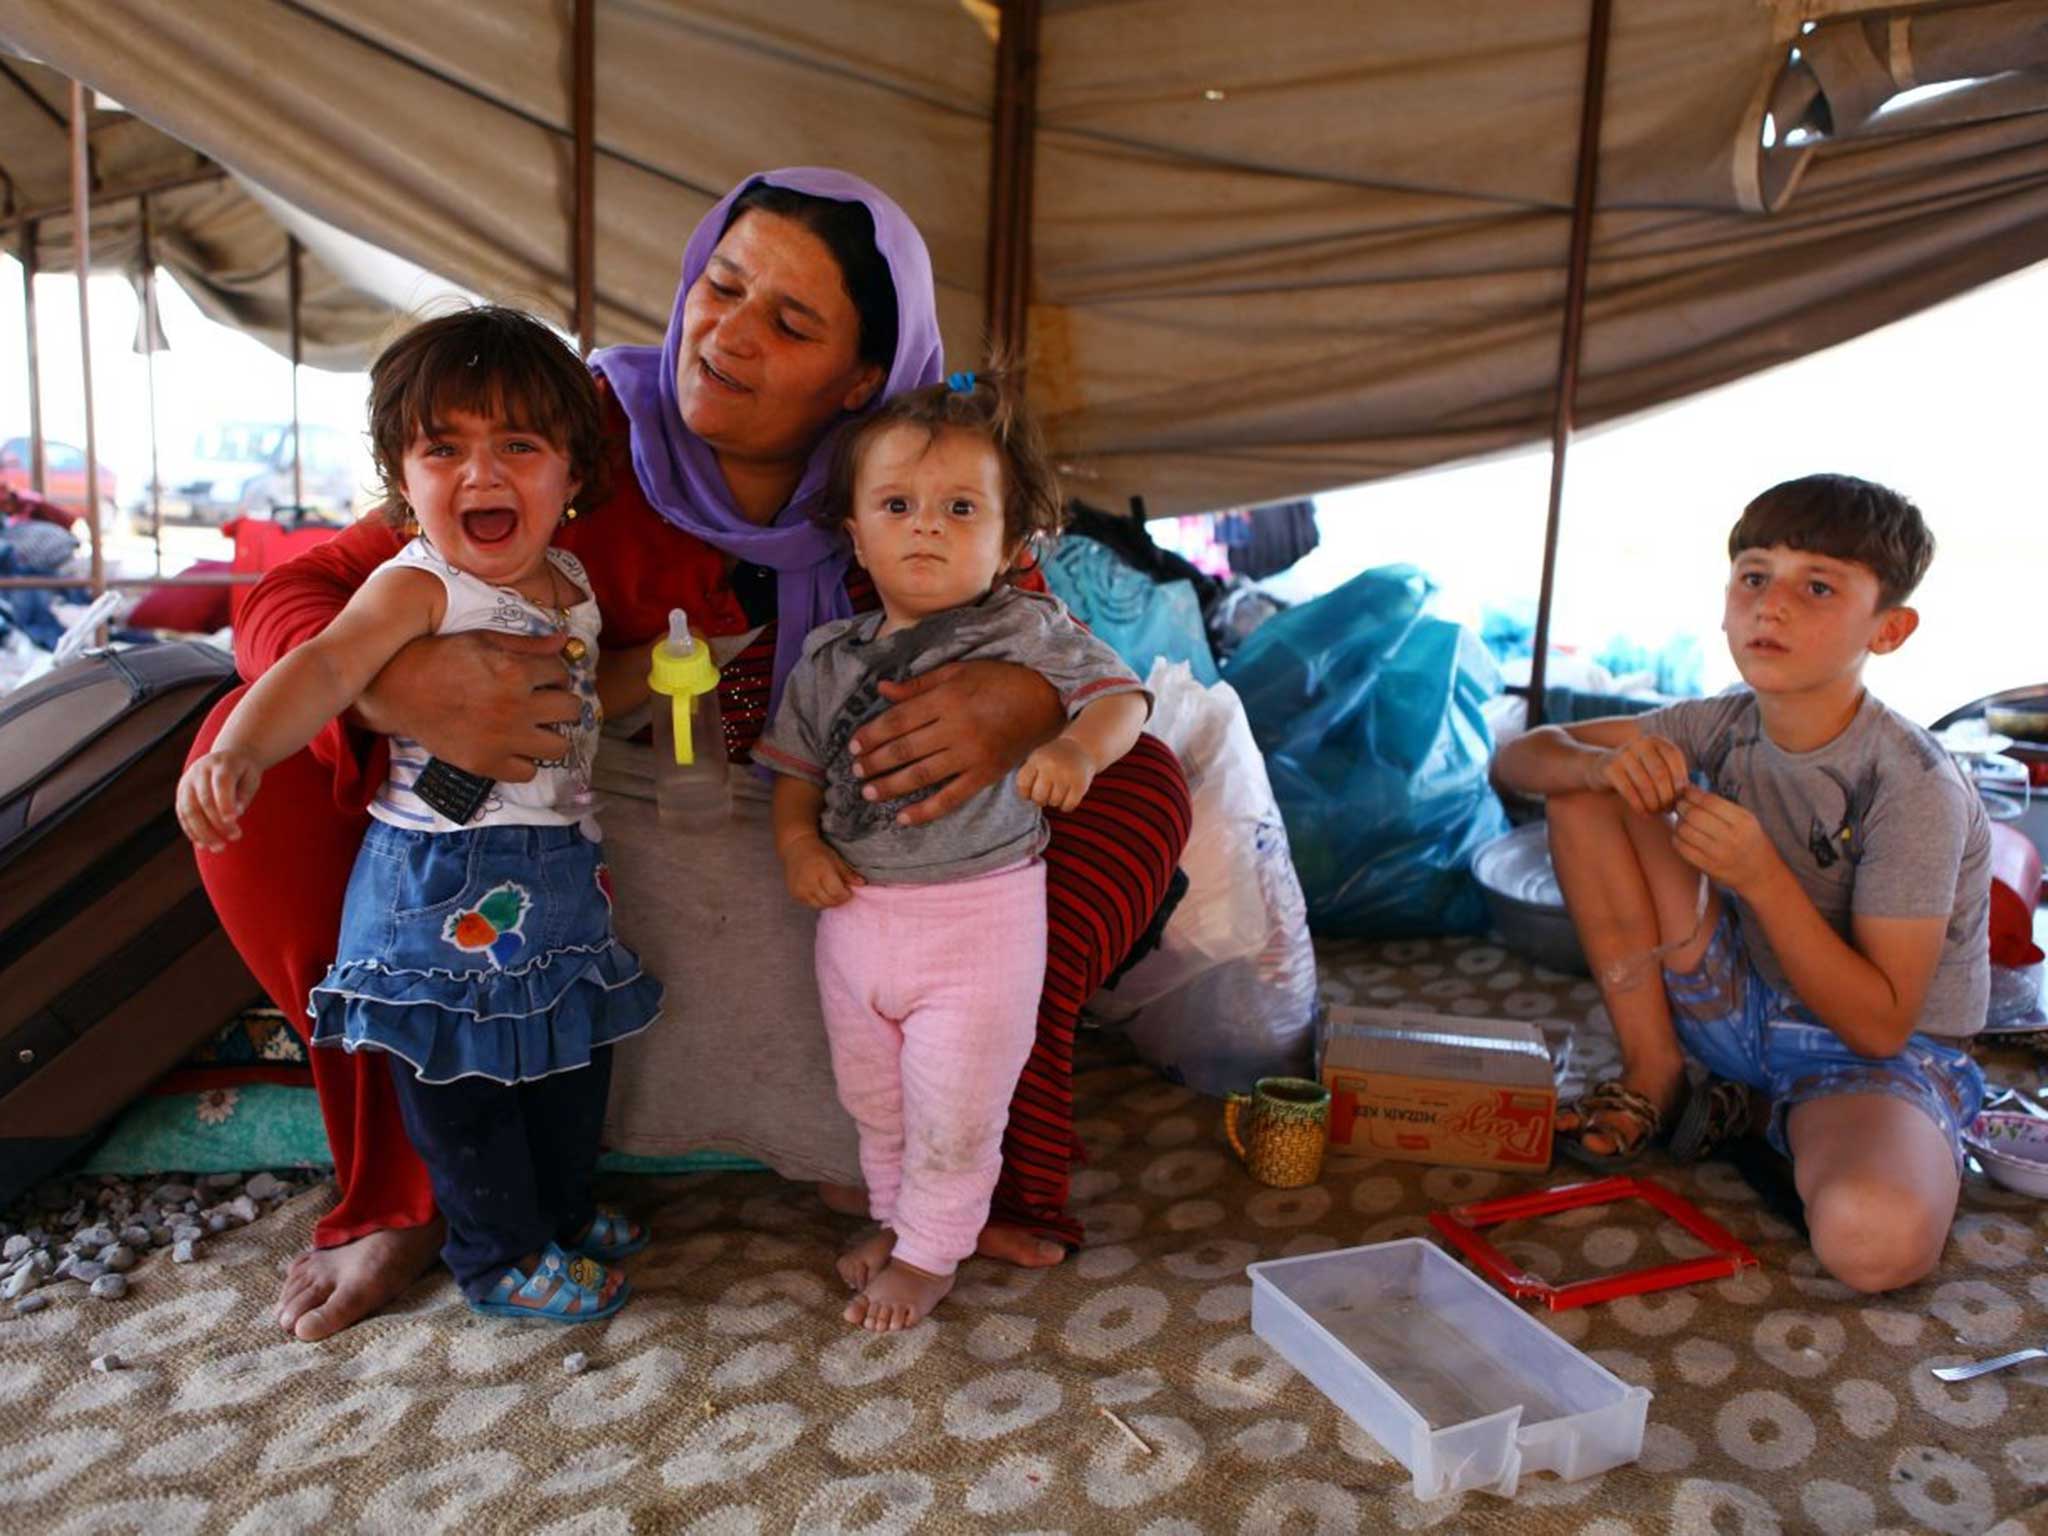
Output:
x=690 y=788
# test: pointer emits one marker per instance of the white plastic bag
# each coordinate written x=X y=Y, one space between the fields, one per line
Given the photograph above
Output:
x=1230 y=994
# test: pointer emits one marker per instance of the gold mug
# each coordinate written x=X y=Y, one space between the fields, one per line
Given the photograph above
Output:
x=1288 y=1127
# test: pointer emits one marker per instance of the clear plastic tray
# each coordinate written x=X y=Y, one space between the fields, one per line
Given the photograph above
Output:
x=1458 y=1383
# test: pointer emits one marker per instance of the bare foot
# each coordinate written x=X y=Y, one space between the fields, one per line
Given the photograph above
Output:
x=327 y=1289
x=846 y=1199
x=863 y=1259
x=897 y=1298
x=1018 y=1245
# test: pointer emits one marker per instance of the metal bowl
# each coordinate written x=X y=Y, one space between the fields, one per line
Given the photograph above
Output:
x=1521 y=891
x=2013 y=1149
x=2022 y=722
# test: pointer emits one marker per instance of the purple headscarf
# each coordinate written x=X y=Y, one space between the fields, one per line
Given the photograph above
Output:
x=677 y=470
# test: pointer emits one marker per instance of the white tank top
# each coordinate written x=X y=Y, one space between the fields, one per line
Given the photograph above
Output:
x=559 y=795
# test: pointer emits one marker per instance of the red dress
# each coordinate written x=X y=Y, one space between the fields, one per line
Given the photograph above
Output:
x=279 y=888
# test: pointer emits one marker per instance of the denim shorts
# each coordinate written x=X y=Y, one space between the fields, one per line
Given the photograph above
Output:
x=485 y=952
x=1738 y=1026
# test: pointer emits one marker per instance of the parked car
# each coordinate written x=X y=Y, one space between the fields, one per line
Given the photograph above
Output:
x=244 y=468
x=63 y=474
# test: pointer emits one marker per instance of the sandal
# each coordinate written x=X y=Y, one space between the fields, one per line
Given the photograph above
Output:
x=1641 y=1121
x=563 y=1288
x=1713 y=1112
x=610 y=1237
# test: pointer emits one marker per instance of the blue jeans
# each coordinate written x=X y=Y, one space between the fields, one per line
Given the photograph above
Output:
x=511 y=1163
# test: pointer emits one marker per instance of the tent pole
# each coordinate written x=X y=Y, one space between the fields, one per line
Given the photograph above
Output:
x=584 y=109
x=29 y=233
x=156 y=490
x=1007 y=278
x=295 y=288
x=81 y=235
x=104 y=199
x=1583 y=198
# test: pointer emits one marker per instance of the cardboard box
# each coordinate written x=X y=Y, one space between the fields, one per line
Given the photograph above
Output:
x=1436 y=1088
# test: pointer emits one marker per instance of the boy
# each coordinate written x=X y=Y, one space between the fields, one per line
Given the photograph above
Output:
x=1819 y=911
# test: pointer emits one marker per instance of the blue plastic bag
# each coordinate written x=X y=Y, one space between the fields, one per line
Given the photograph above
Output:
x=1368 y=713
x=1142 y=621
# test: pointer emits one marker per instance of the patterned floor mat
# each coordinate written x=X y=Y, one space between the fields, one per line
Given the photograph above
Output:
x=729 y=1399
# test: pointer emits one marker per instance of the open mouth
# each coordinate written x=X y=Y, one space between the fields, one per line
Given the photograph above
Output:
x=722 y=380
x=489 y=525
x=1767 y=647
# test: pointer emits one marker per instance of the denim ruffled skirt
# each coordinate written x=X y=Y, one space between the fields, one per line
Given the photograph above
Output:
x=486 y=952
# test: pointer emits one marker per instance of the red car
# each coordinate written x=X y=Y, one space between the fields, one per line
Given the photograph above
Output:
x=63 y=474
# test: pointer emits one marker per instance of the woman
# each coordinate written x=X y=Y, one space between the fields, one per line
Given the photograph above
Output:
x=806 y=298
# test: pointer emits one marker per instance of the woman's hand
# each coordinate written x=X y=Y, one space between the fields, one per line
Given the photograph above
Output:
x=212 y=795
x=1648 y=772
x=817 y=876
x=1056 y=775
x=480 y=701
x=961 y=727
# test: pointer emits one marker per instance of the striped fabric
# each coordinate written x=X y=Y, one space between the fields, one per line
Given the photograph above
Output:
x=1107 y=870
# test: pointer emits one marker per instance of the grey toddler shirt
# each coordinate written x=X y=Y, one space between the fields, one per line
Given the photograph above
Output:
x=833 y=692
x=1877 y=823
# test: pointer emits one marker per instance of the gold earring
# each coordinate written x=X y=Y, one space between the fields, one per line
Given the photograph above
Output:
x=569 y=513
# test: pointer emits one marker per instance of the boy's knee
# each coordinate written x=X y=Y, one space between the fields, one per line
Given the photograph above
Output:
x=1573 y=809
x=1874 y=1236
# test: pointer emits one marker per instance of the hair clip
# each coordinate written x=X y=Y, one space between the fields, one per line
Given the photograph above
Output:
x=961 y=383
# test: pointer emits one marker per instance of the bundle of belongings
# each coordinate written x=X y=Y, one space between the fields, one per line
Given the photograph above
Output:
x=1227 y=991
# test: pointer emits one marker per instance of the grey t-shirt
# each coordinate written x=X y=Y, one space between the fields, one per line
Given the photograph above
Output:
x=1877 y=822
x=833 y=692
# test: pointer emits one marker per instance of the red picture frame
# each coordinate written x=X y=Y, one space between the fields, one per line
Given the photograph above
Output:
x=1461 y=1226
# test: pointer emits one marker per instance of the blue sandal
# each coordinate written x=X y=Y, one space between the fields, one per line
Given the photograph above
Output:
x=610 y=1237
x=563 y=1288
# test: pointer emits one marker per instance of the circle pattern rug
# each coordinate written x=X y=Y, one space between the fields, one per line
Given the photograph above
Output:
x=729 y=1399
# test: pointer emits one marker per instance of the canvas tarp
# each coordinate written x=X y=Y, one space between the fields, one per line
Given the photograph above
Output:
x=224 y=247
x=1275 y=248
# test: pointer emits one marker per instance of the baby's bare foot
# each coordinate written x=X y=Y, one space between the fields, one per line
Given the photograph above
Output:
x=897 y=1298
x=863 y=1259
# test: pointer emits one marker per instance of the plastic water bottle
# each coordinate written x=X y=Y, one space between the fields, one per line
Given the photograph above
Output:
x=691 y=788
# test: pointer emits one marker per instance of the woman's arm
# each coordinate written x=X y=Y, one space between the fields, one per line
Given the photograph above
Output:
x=295 y=699
x=622 y=673
x=289 y=704
x=962 y=727
x=481 y=701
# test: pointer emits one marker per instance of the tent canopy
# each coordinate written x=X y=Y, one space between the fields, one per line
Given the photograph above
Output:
x=1274 y=248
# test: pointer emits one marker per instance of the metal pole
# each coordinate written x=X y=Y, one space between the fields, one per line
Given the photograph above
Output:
x=1562 y=416
x=294 y=284
x=210 y=579
x=156 y=490
x=1008 y=269
x=81 y=234
x=584 y=257
x=29 y=233
x=102 y=199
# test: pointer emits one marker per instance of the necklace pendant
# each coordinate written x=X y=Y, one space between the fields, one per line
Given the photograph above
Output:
x=575 y=649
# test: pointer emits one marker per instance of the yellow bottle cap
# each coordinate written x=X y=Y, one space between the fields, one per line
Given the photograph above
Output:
x=682 y=669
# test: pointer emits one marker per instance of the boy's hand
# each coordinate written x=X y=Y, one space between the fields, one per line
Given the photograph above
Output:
x=1720 y=838
x=1057 y=775
x=816 y=875
x=1648 y=772
x=212 y=795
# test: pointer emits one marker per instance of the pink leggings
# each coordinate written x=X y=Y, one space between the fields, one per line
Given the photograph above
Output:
x=930 y=996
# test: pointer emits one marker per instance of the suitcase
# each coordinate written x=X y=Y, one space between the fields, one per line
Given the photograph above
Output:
x=112 y=964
